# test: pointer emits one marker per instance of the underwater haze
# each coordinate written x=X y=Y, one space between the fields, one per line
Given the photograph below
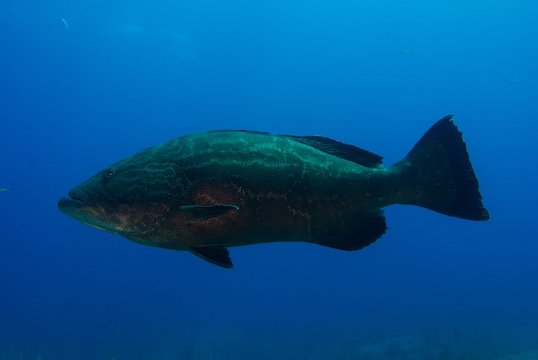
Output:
x=84 y=84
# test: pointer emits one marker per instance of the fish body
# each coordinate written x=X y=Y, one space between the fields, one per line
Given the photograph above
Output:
x=209 y=191
x=4 y=190
x=64 y=22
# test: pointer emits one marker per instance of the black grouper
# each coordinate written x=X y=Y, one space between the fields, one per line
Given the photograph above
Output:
x=209 y=191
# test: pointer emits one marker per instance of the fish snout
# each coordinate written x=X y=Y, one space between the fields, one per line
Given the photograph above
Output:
x=73 y=202
x=78 y=195
x=68 y=205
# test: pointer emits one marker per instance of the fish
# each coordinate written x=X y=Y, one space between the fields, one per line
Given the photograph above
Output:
x=407 y=52
x=5 y=190
x=208 y=191
x=64 y=22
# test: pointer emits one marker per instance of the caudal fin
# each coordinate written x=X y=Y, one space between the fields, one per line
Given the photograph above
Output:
x=437 y=174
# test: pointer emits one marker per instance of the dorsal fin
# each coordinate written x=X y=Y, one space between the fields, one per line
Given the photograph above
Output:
x=329 y=146
x=344 y=151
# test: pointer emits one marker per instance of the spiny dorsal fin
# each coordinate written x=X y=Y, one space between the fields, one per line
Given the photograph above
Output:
x=214 y=254
x=344 y=151
x=243 y=131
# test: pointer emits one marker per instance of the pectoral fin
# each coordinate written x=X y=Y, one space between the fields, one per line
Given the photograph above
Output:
x=215 y=255
x=208 y=211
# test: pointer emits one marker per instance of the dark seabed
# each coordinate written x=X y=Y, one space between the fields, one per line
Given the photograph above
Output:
x=86 y=83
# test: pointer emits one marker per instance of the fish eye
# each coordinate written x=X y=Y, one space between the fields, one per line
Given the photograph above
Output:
x=109 y=172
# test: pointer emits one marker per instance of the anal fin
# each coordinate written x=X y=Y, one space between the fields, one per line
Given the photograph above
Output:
x=362 y=233
x=214 y=254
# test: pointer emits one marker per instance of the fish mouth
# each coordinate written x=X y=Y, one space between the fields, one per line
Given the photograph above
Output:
x=76 y=208
x=70 y=206
x=75 y=204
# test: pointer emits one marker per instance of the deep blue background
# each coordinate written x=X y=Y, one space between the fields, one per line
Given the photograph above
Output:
x=124 y=75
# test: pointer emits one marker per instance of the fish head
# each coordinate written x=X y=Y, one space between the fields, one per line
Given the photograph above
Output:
x=130 y=198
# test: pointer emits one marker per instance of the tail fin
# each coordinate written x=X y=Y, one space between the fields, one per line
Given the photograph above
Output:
x=437 y=174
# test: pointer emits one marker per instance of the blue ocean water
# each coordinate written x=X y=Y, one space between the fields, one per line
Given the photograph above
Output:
x=86 y=83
